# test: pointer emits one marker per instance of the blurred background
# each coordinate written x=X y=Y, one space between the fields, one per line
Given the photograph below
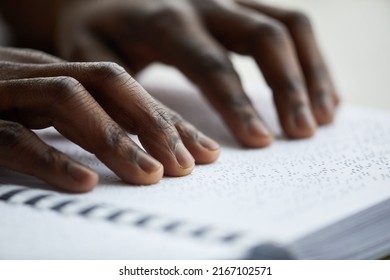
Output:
x=355 y=40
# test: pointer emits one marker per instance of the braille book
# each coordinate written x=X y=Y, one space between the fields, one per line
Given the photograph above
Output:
x=327 y=197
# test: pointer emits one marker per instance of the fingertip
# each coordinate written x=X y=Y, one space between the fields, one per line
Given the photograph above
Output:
x=257 y=141
x=208 y=143
x=181 y=163
x=184 y=157
x=152 y=174
x=82 y=180
x=324 y=109
x=301 y=125
x=253 y=134
x=323 y=119
x=145 y=178
x=85 y=178
x=258 y=135
x=205 y=150
x=147 y=172
x=207 y=156
x=208 y=151
x=301 y=132
x=176 y=170
x=134 y=168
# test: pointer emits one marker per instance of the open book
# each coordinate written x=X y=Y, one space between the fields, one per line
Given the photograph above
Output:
x=327 y=197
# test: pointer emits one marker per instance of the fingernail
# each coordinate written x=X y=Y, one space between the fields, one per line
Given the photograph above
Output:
x=208 y=143
x=304 y=118
x=147 y=163
x=79 y=173
x=257 y=128
x=183 y=156
x=326 y=105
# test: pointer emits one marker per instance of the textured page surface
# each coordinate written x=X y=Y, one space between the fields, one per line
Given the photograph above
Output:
x=278 y=193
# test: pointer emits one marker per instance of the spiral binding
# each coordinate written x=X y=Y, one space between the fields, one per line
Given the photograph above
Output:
x=67 y=205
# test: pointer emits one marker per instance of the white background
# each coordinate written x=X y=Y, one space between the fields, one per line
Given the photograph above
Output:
x=355 y=39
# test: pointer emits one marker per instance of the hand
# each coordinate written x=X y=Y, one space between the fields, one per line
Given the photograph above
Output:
x=93 y=105
x=195 y=36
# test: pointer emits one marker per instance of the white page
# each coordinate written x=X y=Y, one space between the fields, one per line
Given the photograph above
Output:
x=280 y=193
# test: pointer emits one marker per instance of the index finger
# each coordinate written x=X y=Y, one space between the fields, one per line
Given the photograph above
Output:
x=64 y=103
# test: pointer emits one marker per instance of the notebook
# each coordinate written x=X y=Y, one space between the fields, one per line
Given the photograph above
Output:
x=327 y=197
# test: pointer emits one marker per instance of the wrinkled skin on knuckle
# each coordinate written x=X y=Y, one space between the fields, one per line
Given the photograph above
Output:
x=48 y=158
x=161 y=118
x=188 y=131
x=159 y=126
x=68 y=95
x=184 y=128
x=104 y=76
x=114 y=135
x=66 y=87
x=106 y=70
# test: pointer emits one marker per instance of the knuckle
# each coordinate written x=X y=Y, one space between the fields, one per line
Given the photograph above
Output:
x=186 y=130
x=163 y=124
x=107 y=69
x=298 y=19
x=176 y=118
x=48 y=158
x=289 y=86
x=236 y=101
x=114 y=135
x=162 y=119
x=271 y=30
x=160 y=123
x=65 y=94
x=67 y=89
x=100 y=72
x=214 y=62
x=66 y=84
x=11 y=134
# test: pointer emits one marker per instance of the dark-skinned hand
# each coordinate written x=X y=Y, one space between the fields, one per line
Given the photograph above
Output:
x=195 y=36
x=93 y=105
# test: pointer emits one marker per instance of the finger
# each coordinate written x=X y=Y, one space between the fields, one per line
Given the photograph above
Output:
x=268 y=42
x=206 y=63
x=204 y=149
x=21 y=150
x=65 y=104
x=321 y=89
x=27 y=56
x=130 y=106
